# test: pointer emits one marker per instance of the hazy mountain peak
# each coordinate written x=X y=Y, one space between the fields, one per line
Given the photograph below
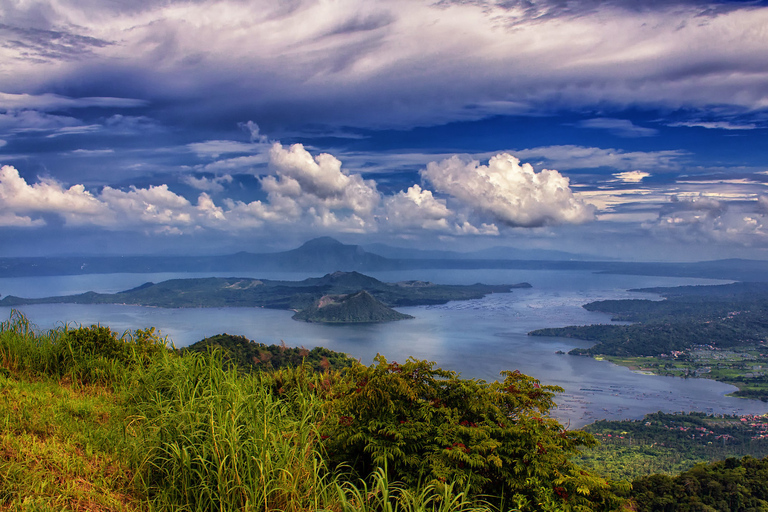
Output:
x=323 y=242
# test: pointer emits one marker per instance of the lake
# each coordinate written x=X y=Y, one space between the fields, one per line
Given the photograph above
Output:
x=478 y=338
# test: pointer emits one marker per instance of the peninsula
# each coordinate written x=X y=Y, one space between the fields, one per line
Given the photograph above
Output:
x=333 y=298
x=718 y=332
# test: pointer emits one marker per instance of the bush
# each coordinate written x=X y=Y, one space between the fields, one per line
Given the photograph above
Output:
x=426 y=425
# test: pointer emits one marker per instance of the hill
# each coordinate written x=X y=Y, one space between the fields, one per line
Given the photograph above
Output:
x=360 y=307
x=249 y=355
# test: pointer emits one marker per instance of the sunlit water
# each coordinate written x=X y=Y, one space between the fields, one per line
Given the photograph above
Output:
x=478 y=338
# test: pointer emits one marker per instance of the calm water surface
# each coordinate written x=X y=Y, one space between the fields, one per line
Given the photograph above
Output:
x=478 y=338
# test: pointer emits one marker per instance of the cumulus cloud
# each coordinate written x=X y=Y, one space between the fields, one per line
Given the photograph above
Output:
x=317 y=182
x=308 y=192
x=47 y=196
x=509 y=193
x=417 y=208
x=303 y=191
x=704 y=219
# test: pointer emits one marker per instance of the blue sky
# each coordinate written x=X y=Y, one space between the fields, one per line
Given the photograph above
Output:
x=621 y=129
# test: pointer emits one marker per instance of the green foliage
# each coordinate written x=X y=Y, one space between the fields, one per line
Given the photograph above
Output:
x=729 y=485
x=671 y=443
x=248 y=355
x=428 y=425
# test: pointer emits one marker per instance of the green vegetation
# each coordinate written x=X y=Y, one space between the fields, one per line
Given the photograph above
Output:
x=250 y=356
x=671 y=443
x=717 y=332
x=727 y=485
x=294 y=295
x=155 y=429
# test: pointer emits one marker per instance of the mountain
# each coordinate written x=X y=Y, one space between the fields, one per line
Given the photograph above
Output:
x=355 y=308
x=326 y=253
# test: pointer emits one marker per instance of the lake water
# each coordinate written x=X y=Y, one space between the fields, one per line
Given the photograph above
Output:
x=478 y=338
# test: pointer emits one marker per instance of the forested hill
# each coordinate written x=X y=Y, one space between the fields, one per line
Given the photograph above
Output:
x=249 y=355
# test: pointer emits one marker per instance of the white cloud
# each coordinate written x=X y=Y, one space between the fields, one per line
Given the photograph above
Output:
x=716 y=125
x=93 y=152
x=75 y=130
x=417 y=208
x=9 y=219
x=631 y=176
x=215 y=148
x=240 y=164
x=215 y=184
x=508 y=192
x=3 y=143
x=47 y=196
x=703 y=219
x=567 y=157
x=255 y=132
x=33 y=121
x=318 y=182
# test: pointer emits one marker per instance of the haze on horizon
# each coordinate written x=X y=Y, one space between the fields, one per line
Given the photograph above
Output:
x=614 y=128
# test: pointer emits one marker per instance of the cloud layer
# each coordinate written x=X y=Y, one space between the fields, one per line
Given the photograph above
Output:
x=313 y=192
x=393 y=63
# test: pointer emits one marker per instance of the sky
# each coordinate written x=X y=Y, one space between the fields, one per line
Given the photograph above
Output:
x=629 y=129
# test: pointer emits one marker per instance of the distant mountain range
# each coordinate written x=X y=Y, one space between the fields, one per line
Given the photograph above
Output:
x=492 y=253
x=328 y=255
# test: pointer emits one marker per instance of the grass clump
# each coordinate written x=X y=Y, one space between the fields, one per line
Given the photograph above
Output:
x=214 y=438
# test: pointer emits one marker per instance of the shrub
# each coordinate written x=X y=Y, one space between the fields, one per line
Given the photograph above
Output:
x=427 y=425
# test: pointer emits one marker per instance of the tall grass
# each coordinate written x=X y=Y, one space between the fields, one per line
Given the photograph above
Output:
x=214 y=439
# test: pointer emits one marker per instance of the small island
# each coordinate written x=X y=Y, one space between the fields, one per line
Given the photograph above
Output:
x=338 y=297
